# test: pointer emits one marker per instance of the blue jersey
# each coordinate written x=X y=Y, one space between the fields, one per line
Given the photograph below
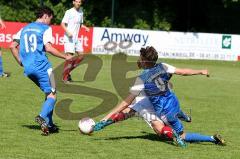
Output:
x=32 y=50
x=163 y=100
x=155 y=80
x=156 y=87
x=32 y=39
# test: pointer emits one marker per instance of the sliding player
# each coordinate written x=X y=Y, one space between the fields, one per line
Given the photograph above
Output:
x=153 y=84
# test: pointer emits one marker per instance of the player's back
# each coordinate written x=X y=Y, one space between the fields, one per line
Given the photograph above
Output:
x=156 y=87
x=32 y=50
x=155 y=80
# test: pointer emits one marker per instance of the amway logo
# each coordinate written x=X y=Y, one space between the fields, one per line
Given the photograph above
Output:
x=118 y=37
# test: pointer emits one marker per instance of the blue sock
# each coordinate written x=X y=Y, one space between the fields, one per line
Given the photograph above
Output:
x=50 y=118
x=47 y=108
x=194 y=137
x=1 y=66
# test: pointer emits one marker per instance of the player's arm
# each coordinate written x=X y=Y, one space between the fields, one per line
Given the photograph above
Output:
x=49 y=48
x=124 y=104
x=15 y=52
x=184 y=71
x=190 y=72
x=47 y=41
x=14 y=47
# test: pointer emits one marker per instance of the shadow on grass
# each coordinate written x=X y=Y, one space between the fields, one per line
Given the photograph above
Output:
x=146 y=136
x=69 y=130
x=33 y=127
x=37 y=127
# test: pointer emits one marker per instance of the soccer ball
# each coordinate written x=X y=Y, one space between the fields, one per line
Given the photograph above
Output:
x=86 y=125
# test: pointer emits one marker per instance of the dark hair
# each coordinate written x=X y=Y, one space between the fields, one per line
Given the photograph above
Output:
x=44 y=10
x=149 y=54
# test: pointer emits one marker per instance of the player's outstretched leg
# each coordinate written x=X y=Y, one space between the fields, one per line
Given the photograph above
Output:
x=113 y=119
x=127 y=113
x=102 y=124
x=195 y=137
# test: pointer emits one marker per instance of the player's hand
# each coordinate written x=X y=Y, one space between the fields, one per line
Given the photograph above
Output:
x=69 y=34
x=68 y=57
x=205 y=72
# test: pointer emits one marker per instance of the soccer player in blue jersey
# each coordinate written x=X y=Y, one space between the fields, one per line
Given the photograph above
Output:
x=34 y=40
x=153 y=84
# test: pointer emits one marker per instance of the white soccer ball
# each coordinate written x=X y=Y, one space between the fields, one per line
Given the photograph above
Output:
x=86 y=125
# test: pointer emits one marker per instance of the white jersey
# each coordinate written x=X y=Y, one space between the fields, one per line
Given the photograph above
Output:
x=138 y=87
x=73 y=19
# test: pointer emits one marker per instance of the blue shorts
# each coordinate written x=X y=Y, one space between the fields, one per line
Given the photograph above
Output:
x=170 y=109
x=43 y=78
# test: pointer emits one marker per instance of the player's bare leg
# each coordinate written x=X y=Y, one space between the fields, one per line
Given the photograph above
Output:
x=123 y=115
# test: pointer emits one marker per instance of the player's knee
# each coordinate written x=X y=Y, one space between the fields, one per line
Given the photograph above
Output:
x=127 y=110
x=52 y=95
x=157 y=126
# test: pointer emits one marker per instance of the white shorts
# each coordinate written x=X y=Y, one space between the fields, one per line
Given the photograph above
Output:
x=144 y=108
x=73 y=46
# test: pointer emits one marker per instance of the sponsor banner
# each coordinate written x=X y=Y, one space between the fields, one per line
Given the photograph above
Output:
x=169 y=44
x=6 y=36
x=111 y=40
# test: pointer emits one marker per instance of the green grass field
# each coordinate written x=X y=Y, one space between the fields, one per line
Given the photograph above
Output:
x=214 y=101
